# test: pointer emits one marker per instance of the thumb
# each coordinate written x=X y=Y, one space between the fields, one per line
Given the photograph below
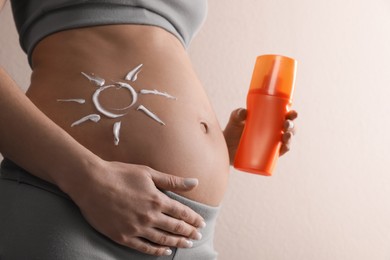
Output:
x=237 y=117
x=173 y=183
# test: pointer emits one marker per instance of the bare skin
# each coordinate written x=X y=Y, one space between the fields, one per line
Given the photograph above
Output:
x=184 y=156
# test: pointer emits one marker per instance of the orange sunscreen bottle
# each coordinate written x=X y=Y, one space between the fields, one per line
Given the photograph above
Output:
x=269 y=99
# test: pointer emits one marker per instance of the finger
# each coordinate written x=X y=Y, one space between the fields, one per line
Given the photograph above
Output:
x=288 y=125
x=178 y=227
x=286 y=138
x=286 y=143
x=236 y=124
x=147 y=248
x=173 y=183
x=237 y=117
x=181 y=212
x=164 y=239
x=292 y=115
x=284 y=149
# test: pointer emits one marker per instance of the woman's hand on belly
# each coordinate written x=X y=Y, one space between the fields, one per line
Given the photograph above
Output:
x=124 y=203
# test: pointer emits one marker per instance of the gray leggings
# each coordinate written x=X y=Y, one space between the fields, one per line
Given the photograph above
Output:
x=39 y=221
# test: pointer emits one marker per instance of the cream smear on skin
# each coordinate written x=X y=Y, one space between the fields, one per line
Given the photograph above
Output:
x=156 y=92
x=99 y=107
x=99 y=82
x=77 y=100
x=92 y=117
x=116 y=129
x=132 y=91
x=150 y=114
x=133 y=75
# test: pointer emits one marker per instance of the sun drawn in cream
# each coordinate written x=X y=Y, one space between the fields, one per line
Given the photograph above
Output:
x=100 y=83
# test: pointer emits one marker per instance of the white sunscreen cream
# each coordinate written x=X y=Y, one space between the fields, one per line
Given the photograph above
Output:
x=94 y=79
x=150 y=114
x=156 y=92
x=132 y=75
x=99 y=82
x=92 y=117
x=77 y=100
x=96 y=102
x=116 y=129
x=132 y=91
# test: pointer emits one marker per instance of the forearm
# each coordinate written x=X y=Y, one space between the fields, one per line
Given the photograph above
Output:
x=32 y=140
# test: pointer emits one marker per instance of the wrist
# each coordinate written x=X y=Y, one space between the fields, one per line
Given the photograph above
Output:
x=74 y=176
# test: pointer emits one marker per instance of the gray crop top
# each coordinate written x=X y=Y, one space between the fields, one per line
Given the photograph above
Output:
x=36 y=19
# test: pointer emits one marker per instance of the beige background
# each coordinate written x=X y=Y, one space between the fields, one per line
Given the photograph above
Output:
x=330 y=196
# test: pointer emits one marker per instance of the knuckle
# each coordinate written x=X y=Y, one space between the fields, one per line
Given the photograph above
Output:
x=159 y=251
x=173 y=182
x=120 y=238
x=179 y=227
x=174 y=210
x=132 y=244
x=155 y=251
x=145 y=169
x=133 y=230
x=144 y=248
x=146 y=219
x=162 y=240
x=180 y=242
x=156 y=202
x=185 y=214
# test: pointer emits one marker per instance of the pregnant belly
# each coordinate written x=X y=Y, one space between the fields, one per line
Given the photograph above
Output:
x=176 y=134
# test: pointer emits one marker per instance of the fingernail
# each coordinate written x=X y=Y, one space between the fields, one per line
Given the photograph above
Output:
x=168 y=252
x=290 y=124
x=202 y=224
x=198 y=236
x=189 y=244
x=190 y=182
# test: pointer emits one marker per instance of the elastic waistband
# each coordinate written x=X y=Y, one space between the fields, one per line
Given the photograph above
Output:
x=209 y=213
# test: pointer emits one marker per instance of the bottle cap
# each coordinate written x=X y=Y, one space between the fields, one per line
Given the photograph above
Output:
x=274 y=75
